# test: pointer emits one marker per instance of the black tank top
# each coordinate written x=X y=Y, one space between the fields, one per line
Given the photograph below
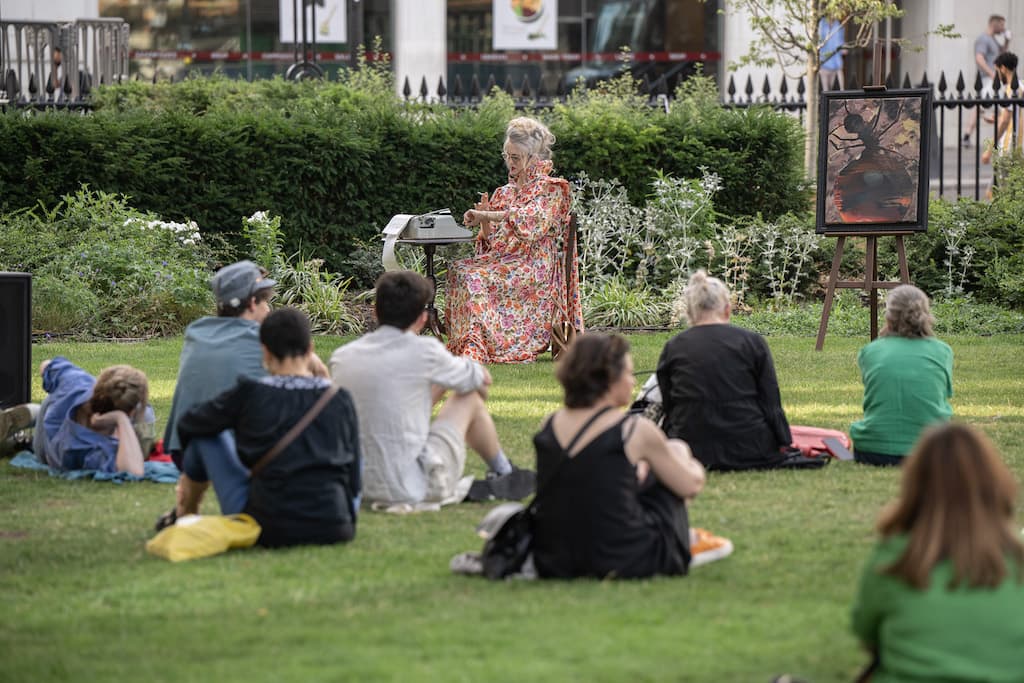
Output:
x=590 y=521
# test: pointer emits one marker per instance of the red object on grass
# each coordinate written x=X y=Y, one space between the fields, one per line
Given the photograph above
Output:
x=157 y=454
x=810 y=440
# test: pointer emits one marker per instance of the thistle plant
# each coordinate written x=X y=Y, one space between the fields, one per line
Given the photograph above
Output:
x=728 y=254
x=680 y=216
x=611 y=230
x=656 y=247
x=953 y=236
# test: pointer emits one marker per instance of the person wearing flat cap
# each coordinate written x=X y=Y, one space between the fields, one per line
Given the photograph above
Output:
x=218 y=350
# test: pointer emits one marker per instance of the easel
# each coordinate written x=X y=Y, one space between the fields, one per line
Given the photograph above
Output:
x=871 y=284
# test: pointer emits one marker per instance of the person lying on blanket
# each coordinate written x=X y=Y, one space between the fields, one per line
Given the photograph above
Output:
x=86 y=422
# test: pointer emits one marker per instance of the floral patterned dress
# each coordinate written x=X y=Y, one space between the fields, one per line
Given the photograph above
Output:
x=501 y=303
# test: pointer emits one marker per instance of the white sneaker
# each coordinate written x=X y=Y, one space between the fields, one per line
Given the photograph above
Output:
x=467 y=563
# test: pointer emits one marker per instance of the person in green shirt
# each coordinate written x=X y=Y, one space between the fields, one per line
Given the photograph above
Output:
x=942 y=596
x=908 y=381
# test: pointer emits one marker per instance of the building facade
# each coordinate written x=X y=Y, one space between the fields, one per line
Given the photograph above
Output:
x=431 y=41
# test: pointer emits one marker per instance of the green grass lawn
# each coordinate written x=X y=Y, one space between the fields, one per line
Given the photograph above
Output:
x=81 y=600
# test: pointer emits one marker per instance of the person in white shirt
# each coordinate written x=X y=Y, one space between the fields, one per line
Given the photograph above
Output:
x=395 y=377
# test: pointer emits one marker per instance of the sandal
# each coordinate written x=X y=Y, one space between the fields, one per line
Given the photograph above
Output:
x=167 y=519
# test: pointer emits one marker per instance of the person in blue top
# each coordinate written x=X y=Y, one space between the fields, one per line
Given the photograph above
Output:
x=86 y=423
x=831 y=38
x=219 y=349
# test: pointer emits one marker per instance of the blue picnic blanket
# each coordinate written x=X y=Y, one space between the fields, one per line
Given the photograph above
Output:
x=159 y=472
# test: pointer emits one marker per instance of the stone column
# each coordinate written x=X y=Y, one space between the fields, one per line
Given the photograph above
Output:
x=420 y=46
x=54 y=10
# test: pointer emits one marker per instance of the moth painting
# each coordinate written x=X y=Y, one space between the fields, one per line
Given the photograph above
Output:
x=872 y=162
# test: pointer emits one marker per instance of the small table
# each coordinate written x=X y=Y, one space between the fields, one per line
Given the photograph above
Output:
x=429 y=247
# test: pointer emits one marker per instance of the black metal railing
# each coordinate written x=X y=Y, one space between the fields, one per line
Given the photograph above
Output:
x=55 y=64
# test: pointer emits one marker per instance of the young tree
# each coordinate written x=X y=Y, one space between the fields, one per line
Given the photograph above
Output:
x=787 y=34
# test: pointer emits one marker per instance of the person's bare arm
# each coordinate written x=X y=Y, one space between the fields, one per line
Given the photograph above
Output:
x=317 y=367
x=482 y=215
x=1004 y=122
x=669 y=459
x=983 y=66
x=129 y=451
x=485 y=388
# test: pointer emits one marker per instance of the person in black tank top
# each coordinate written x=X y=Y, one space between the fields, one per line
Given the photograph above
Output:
x=611 y=489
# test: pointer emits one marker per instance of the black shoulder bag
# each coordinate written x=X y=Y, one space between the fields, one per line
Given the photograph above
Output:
x=505 y=552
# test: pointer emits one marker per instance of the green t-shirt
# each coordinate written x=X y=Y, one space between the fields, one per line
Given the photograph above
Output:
x=907 y=384
x=939 y=635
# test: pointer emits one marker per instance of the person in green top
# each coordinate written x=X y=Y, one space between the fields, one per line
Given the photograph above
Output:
x=908 y=380
x=942 y=597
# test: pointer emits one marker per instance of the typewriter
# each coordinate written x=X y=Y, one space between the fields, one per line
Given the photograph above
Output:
x=436 y=225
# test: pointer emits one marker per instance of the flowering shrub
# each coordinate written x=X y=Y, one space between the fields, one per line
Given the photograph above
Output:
x=187 y=234
x=101 y=268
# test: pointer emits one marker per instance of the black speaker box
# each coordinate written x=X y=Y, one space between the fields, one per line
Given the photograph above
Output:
x=15 y=338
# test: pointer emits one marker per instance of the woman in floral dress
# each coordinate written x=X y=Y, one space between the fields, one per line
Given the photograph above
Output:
x=502 y=302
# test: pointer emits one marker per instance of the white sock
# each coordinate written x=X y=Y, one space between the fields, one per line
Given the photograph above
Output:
x=500 y=464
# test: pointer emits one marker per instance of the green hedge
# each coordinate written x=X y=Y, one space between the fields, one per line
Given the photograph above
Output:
x=337 y=159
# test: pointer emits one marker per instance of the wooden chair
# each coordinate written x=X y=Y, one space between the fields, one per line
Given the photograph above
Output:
x=563 y=331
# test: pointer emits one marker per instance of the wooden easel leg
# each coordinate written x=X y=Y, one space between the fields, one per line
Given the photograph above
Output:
x=901 y=252
x=870 y=278
x=830 y=292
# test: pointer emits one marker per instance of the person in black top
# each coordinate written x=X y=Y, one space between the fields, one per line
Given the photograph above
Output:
x=718 y=386
x=305 y=495
x=612 y=489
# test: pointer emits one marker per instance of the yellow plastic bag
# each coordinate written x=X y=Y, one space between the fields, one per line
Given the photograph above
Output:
x=195 y=536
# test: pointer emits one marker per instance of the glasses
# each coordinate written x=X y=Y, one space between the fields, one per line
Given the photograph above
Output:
x=514 y=158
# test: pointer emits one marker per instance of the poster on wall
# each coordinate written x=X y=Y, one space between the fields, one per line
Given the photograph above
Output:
x=525 y=24
x=873 y=161
x=328 y=26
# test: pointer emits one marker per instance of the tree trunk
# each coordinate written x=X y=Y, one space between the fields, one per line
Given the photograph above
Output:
x=811 y=122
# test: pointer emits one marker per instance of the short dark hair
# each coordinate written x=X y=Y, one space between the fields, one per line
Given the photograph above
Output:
x=285 y=333
x=993 y=18
x=227 y=311
x=589 y=367
x=1007 y=59
x=401 y=296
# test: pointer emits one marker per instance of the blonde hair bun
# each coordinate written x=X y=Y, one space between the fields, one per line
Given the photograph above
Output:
x=531 y=135
x=705 y=296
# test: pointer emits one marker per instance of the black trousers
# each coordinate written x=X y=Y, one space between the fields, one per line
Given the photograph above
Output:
x=666 y=512
x=878 y=459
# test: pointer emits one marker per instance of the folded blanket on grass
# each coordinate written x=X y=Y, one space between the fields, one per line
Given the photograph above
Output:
x=159 y=472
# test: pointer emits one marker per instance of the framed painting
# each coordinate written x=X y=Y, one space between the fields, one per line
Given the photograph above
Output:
x=873 y=161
